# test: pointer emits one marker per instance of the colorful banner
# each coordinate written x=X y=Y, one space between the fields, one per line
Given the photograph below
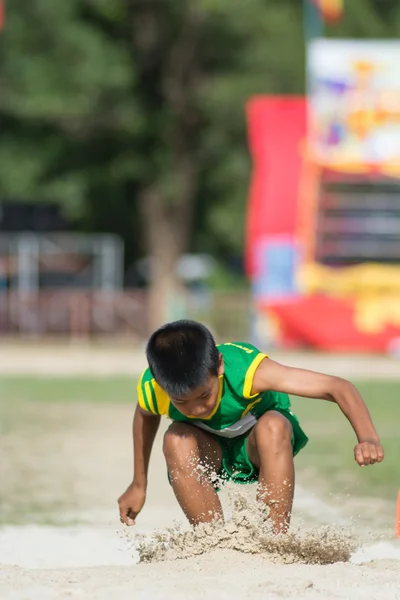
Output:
x=298 y=302
x=354 y=103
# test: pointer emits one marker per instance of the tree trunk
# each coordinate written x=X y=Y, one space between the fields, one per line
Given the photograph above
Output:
x=167 y=203
x=165 y=245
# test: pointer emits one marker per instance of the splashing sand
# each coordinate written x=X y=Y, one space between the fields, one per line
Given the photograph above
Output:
x=248 y=531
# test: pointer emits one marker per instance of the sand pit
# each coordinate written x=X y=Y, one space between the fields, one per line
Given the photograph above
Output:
x=95 y=564
x=237 y=560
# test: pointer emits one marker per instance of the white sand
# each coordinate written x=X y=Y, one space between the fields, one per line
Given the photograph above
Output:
x=92 y=563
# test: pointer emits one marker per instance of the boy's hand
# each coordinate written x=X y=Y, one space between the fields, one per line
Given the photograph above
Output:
x=368 y=453
x=131 y=503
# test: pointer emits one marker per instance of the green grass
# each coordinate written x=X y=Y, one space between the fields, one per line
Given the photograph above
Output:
x=71 y=389
x=328 y=460
x=20 y=394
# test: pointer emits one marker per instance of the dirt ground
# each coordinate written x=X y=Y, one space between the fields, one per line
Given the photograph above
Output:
x=52 y=359
x=62 y=470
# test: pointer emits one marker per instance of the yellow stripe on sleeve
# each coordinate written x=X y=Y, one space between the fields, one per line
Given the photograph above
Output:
x=149 y=397
x=248 y=382
x=140 y=394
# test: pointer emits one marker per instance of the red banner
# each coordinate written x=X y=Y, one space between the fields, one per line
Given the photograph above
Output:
x=2 y=14
x=276 y=127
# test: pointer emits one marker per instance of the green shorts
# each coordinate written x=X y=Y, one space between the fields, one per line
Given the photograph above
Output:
x=236 y=464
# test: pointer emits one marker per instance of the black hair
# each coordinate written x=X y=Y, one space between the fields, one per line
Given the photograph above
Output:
x=181 y=356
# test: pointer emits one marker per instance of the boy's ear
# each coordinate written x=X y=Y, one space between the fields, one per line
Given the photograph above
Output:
x=221 y=368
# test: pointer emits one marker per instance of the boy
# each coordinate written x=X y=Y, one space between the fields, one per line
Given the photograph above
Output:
x=231 y=415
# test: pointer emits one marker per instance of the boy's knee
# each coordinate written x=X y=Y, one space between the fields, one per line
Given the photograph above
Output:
x=179 y=443
x=273 y=429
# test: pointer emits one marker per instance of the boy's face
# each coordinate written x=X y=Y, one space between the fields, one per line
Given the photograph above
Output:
x=201 y=402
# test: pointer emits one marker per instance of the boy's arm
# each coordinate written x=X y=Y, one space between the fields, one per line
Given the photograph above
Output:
x=145 y=426
x=271 y=375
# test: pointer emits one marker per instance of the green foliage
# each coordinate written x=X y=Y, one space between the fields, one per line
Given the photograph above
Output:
x=369 y=19
x=97 y=95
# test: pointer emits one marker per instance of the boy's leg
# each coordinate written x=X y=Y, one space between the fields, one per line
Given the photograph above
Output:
x=269 y=447
x=186 y=448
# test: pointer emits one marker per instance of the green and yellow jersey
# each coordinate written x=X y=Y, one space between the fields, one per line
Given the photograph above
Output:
x=236 y=410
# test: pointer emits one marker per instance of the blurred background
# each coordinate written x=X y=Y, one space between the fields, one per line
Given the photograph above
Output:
x=233 y=162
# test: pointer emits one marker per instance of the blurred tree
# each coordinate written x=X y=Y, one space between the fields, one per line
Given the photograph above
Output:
x=197 y=62
x=130 y=112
